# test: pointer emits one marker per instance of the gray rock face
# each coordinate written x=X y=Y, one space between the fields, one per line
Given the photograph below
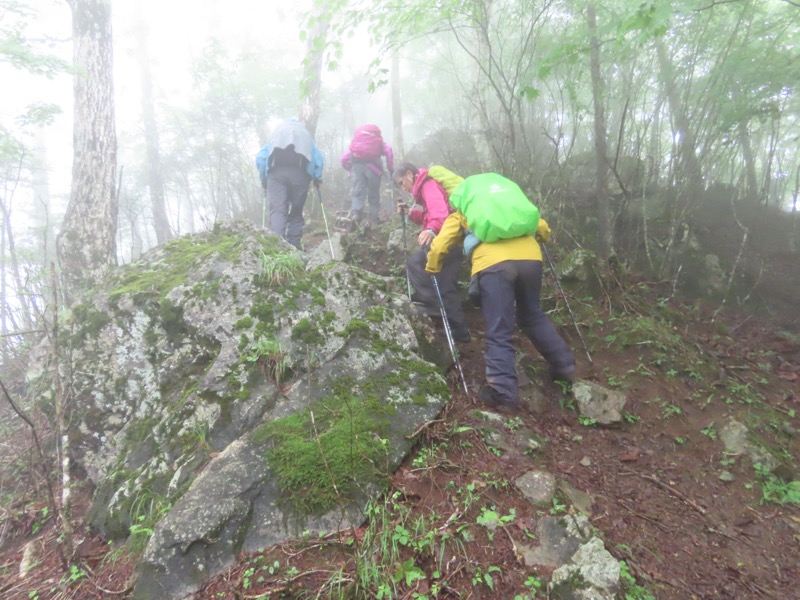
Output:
x=537 y=486
x=211 y=379
x=596 y=402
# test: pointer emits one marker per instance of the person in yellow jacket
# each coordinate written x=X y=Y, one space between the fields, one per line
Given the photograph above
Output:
x=509 y=274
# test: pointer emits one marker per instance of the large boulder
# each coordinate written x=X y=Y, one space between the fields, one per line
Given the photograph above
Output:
x=226 y=397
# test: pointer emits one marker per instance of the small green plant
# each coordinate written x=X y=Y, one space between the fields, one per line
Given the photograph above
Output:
x=514 y=423
x=587 y=421
x=246 y=575
x=490 y=519
x=146 y=510
x=566 y=387
x=277 y=268
x=557 y=508
x=777 y=491
x=709 y=431
x=270 y=356
x=467 y=494
x=75 y=573
x=633 y=591
x=631 y=418
x=140 y=529
x=479 y=576
x=534 y=584
x=670 y=410
x=41 y=520
x=680 y=440
x=694 y=374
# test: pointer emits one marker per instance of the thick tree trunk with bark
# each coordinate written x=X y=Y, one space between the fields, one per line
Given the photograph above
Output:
x=86 y=243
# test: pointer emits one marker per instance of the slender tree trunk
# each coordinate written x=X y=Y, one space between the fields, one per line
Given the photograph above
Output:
x=12 y=264
x=154 y=172
x=397 y=113
x=655 y=144
x=749 y=161
x=605 y=243
x=42 y=201
x=795 y=199
x=688 y=167
x=4 y=303
x=86 y=243
x=312 y=68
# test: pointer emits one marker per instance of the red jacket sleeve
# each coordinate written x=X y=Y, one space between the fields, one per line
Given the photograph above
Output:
x=436 y=205
x=417 y=214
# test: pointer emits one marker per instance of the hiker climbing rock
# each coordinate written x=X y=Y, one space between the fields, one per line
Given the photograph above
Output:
x=430 y=211
x=508 y=263
x=286 y=165
x=364 y=164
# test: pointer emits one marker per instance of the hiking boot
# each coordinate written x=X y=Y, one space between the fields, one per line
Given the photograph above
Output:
x=344 y=224
x=493 y=399
x=565 y=374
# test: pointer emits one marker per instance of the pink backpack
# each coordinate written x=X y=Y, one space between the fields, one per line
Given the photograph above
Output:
x=367 y=142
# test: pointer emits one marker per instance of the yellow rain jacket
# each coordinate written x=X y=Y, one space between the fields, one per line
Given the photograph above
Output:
x=485 y=254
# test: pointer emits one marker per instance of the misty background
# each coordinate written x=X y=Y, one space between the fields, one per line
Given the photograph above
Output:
x=623 y=120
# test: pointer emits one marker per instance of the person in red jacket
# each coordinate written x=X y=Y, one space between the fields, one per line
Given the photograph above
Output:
x=430 y=211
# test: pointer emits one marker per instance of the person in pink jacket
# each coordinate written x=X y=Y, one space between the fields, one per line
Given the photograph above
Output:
x=363 y=161
x=430 y=210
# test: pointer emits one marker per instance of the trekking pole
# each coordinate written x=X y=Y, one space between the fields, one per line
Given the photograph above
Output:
x=264 y=210
x=563 y=295
x=449 y=334
x=405 y=245
x=324 y=218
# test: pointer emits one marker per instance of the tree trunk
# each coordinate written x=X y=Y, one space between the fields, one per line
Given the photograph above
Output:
x=397 y=113
x=312 y=69
x=605 y=242
x=154 y=172
x=687 y=164
x=86 y=243
x=42 y=204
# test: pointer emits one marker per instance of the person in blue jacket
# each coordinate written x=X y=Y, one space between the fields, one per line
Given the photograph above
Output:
x=287 y=164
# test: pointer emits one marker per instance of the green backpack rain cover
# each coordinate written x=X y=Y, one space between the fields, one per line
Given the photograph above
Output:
x=495 y=207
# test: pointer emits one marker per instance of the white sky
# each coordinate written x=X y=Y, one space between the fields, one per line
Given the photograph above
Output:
x=178 y=31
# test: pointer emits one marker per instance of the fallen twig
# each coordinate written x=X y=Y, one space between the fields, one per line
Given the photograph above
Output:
x=680 y=495
x=422 y=427
x=655 y=522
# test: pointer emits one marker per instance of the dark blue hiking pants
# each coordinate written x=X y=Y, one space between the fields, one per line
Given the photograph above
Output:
x=510 y=293
x=287 y=189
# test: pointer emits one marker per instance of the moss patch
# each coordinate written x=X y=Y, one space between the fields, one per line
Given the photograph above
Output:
x=181 y=258
x=320 y=454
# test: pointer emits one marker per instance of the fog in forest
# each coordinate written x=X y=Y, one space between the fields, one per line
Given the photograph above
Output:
x=605 y=112
x=189 y=403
